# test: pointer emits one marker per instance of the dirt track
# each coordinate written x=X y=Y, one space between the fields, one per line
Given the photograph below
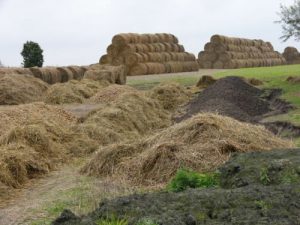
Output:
x=197 y=74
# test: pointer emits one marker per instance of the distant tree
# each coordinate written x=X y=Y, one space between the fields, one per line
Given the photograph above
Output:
x=290 y=20
x=1 y=64
x=32 y=55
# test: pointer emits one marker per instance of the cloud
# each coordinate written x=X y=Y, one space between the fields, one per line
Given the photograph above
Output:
x=78 y=31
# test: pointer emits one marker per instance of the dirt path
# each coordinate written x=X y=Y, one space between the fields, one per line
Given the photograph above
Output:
x=64 y=188
x=196 y=74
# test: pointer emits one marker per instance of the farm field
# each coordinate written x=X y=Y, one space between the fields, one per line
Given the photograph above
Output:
x=42 y=200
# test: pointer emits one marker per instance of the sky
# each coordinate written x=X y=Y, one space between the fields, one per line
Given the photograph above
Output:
x=77 y=32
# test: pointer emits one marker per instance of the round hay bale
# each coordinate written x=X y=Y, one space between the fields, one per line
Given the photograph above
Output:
x=65 y=74
x=167 y=56
x=123 y=39
x=218 y=65
x=106 y=59
x=139 y=69
x=150 y=47
x=189 y=56
x=190 y=66
x=133 y=58
x=152 y=38
x=112 y=50
x=162 y=47
x=100 y=75
x=160 y=37
x=207 y=64
x=119 y=60
x=217 y=39
x=144 y=38
x=155 y=68
x=209 y=47
x=77 y=71
x=181 y=48
x=55 y=75
x=36 y=72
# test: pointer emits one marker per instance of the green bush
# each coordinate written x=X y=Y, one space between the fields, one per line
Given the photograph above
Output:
x=189 y=179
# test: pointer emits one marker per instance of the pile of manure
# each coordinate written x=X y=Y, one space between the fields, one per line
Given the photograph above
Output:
x=202 y=143
x=230 y=96
x=73 y=91
x=34 y=139
x=18 y=89
x=170 y=95
x=131 y=116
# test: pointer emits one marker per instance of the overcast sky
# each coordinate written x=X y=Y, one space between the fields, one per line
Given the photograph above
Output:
x=77 y=32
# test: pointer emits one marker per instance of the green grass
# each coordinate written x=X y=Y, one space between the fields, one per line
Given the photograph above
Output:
x=189 y=179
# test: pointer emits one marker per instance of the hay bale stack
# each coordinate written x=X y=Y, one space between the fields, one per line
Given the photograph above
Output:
x=230 y=53
x=144 y=54
x=202 y=143
x=50 y=75
x=291 y=55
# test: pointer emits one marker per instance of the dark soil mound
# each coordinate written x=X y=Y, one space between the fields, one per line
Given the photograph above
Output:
x=264 y=168
x=234 y=97
x=268 y=193
x=275 y=205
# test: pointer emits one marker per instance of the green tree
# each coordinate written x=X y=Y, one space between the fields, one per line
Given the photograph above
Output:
x=290 y=20
x=32 y=55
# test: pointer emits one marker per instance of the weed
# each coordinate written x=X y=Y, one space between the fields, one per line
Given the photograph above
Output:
x=189 y=179
x=264 y=177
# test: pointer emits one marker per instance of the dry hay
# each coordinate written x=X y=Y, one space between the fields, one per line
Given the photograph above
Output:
x=202 y=143
x=19 y=89
x=170 y=95
x=131 y=116
x=111 y=93
x=73 y=91
x=34 y=139
x=205 y=81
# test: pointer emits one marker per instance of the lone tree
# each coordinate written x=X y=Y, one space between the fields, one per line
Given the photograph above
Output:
x=290 y=20
x=32 y=55
x=1 y=65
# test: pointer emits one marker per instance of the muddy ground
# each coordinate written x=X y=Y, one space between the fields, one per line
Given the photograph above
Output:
x=251 y=192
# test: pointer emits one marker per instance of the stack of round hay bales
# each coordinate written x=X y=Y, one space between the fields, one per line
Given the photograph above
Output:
x=50 y=75
x=144 y=54
x=291 y=55
x=229 y=53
